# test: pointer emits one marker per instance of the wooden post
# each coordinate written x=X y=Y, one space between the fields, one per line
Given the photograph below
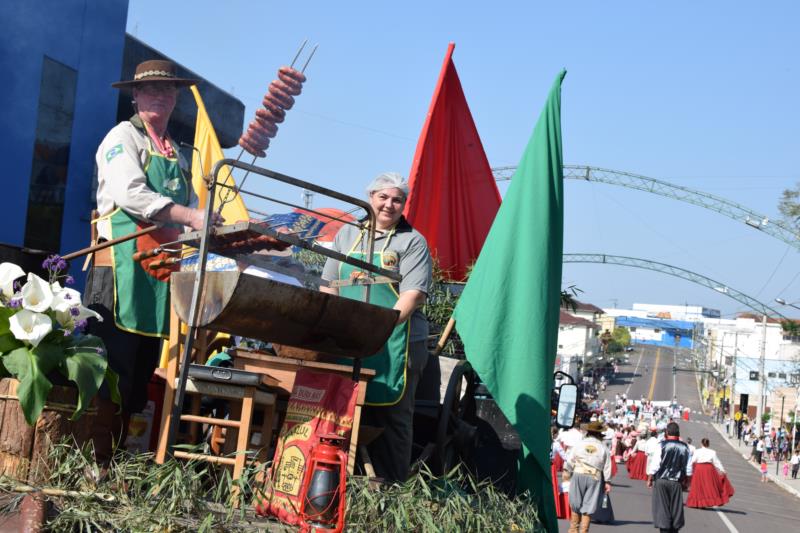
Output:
x=169 y=387
x=448 y=329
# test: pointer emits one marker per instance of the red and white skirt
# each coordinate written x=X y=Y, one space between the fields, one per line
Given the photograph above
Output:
x=707 y=489
x=637 y=466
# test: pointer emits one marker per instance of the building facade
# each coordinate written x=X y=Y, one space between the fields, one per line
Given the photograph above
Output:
x=60 y=58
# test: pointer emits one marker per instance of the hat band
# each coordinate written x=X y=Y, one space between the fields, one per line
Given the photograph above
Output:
x=148 y=73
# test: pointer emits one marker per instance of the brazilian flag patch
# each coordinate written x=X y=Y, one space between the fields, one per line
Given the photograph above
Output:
x=113 y=152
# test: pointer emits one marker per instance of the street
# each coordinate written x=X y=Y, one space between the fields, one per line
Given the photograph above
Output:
x=753 y=507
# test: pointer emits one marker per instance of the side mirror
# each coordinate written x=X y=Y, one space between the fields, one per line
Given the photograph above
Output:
x=567 y=405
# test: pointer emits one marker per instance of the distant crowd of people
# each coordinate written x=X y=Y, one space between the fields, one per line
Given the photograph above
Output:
x=645 y=437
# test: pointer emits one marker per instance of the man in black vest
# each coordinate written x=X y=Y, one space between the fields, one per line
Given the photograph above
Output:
x=667 y=475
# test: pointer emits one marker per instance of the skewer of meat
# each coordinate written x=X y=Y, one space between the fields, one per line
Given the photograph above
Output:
x=280 y=97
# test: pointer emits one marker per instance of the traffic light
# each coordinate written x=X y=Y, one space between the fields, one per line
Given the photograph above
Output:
x=674 y=370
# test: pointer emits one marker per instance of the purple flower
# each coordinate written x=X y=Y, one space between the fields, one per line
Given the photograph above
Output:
x=74 y=311
x=17 y=285
x=80 y=325
x=69 y=280
x=15 y=303
x=54 y=263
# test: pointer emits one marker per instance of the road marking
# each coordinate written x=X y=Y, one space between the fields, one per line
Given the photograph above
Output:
x=655 y=373
x=641 y=353
x=727 y=522
x=674 y=374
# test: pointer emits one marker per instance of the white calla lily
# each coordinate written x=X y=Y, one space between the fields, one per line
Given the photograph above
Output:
x=36 y=294
x=64 y=299
x=65 y=320
x=29 y=326
x=8 y=273
x=84 y=313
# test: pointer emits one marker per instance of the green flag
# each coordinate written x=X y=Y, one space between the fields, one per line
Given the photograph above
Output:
x=507 y=315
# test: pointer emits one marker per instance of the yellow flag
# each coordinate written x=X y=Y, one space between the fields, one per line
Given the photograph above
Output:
x=207 y=153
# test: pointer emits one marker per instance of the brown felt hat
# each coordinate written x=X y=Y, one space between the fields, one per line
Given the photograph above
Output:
x=155 y=70
x=595 y=427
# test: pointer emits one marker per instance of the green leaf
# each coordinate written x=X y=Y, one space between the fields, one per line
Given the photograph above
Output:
x=50 y=356
x=7 y=340
x=87 y=367
x=87 y=370
x=112 y=378
x=33 y=384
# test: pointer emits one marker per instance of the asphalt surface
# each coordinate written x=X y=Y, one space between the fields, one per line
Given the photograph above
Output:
x=755 y=506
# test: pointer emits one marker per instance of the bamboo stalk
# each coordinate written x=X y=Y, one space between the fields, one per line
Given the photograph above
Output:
x=27 y=489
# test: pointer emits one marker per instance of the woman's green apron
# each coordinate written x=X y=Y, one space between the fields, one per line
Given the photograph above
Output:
x=144 y=307
x=389 y=383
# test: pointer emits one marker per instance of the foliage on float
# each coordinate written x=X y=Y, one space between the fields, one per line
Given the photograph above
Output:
x=135 y=494
x=41 y=336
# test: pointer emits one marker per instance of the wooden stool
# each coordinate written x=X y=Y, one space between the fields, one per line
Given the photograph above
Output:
x=212 y=382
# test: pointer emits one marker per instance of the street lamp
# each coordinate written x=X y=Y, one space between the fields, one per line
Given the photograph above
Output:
x=784 y=302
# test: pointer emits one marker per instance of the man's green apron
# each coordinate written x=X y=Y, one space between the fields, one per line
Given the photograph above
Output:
x=389 y=383
x=144 y=306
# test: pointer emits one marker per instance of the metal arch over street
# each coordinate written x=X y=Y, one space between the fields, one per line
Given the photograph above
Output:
x=725 y=207
x=678 y=272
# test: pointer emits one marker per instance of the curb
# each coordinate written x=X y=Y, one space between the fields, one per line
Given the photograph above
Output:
x=785 y=486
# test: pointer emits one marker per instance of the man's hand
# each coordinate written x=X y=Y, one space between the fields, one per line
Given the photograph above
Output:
x=198 y=217
x=649 y=482
x=193 y=218
x=608 y=488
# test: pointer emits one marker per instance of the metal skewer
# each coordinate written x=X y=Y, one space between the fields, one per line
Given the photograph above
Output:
x=236 y=190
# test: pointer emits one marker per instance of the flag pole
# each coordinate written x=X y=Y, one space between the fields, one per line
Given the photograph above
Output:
x=448 y=329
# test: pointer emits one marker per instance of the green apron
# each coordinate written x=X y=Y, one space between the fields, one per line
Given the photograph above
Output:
x=389 y=383
x=144 y=307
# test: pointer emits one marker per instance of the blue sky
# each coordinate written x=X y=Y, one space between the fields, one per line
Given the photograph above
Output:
x=699 y=94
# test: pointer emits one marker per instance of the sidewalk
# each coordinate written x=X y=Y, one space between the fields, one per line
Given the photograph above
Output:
x=788 y=484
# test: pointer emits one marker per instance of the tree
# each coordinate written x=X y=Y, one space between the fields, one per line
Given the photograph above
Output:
x=789 y=205
x=622 y=335
x=620 y=338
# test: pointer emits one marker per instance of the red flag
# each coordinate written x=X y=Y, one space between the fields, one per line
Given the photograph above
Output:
x=453 y=197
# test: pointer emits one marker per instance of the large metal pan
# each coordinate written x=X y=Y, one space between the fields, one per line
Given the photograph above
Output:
x=250 y=306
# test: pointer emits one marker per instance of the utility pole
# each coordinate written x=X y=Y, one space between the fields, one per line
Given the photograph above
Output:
x=780 y=425
x=308 y=198
x=762 y=379
x=733 y=378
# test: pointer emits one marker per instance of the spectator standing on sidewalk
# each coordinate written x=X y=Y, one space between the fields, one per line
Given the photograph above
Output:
x=768 y=440
x=795 y=462
x=759 y=448
x=763 y=471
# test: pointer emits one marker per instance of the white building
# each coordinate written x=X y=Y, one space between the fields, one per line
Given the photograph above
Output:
x=577 y=339
x=689 y=313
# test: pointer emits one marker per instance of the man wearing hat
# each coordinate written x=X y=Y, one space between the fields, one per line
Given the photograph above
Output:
x=588 y=464
x=142 y=181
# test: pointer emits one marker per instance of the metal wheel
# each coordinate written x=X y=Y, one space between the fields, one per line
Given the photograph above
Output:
x=453 y=434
